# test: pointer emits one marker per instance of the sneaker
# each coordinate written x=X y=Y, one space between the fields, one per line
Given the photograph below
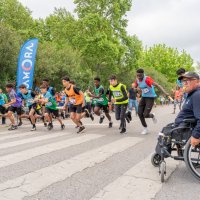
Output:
x=45 y=124
x=34 y=128
x=144 y=132
x=101 y=119
x=87 y=114
x=123 y=131
x=62 y=127
x=127 y=119
x=81 y=129
x=13 y=127
x=129 y=115
x=91 y=117
x=76 y=126
x=50 y=126
x=110 y=124
x=154 y=118
x=20 y=123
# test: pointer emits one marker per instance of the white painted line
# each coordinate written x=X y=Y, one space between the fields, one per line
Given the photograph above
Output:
x=140 y=182
x=19 y=135
x=30 y=140
x=41 y=150
x=32 y=183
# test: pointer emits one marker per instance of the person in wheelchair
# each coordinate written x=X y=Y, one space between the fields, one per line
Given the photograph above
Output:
x=183 y=135
x=191 y=107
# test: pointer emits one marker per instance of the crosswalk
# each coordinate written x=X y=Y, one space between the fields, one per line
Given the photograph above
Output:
x=140 y=182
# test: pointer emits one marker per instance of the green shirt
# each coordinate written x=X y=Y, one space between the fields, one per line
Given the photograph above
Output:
x=103 y=100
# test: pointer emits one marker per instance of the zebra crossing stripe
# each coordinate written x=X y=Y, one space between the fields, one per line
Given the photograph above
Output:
x=41 y=150
x=31 y=140
x=140 y=182
x=32 y=183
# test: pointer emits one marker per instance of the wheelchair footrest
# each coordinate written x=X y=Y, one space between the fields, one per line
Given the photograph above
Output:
x=178 y=158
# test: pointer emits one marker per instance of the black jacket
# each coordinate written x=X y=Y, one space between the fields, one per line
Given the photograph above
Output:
x=191 y=109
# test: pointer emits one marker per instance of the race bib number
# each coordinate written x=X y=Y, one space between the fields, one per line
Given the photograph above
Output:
x=30 y=101
x=72 y=101
x=117 y=93
x=100 y=100
x=49 y=104
x=145 y=90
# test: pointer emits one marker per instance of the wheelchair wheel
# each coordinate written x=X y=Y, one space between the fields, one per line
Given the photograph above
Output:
x=162 y=171
x=155 y=159
x=192 y=159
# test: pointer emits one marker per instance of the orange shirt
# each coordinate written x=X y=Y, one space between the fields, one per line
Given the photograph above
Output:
x=74 y=98
x=178 y=94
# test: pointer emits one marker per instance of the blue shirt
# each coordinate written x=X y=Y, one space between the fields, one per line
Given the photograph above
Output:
x=191 y=109
x=2 y=101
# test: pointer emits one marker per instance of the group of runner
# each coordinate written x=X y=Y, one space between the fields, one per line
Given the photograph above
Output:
x=42 y=102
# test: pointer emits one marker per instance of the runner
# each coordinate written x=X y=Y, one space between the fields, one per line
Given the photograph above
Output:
x=180 y=72
x=3 y=100
x=132 y=101
x=2 y=108
x=88 y=105
x=50 y=89
x=28 y=96
x=120 y=99
x=100 y=102
x=76 y=99
x=14 y=105
x=50 y=107
x=178 y=94
x=146 y=84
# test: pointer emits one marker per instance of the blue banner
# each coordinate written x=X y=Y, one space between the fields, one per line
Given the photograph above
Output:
x=26 y=63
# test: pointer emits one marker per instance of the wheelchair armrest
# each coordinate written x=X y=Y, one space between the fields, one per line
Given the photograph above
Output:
x=190 y=120
x=179 y=128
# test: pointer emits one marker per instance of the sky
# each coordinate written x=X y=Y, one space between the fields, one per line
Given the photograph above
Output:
x=173 y=22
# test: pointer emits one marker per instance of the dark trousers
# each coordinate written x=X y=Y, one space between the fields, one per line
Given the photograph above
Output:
x=144 y=109
x=120 y=114
x=3 y=111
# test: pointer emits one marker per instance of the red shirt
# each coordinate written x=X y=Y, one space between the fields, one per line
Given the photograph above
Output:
x=149 y=81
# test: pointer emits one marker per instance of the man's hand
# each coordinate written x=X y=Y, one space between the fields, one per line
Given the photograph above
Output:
x=194 y=142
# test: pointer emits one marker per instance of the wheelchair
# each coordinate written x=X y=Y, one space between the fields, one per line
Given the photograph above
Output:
x=177 y=139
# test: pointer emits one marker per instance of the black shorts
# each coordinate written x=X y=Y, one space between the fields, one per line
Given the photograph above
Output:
x=50 y=111
x=104 y=107
x=18 y=110
x=76 y=108
x=33 y=106
x=2 y=110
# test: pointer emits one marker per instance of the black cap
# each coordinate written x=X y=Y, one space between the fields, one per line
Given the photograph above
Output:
x=189 y=75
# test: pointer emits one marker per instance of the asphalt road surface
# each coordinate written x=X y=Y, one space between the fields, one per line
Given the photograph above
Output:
x=99 y=164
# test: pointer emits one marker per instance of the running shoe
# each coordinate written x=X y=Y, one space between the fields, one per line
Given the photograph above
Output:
x=13 y=127
x=102 y=117
x=91 y=117
x=62 y=127
x=50 y=126
x=123 y=131
x=144 y=132
x=20 y=123
x=34 y=128
x=110 y=124
x=81 y=129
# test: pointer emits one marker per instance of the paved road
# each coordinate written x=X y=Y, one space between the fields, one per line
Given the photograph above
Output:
x=100 y=164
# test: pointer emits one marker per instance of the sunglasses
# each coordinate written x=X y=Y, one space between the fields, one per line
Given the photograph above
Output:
x=188 y=81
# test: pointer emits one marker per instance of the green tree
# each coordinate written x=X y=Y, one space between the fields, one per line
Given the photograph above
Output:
x=165 y=60
x=10 y=43
x=12 y=12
